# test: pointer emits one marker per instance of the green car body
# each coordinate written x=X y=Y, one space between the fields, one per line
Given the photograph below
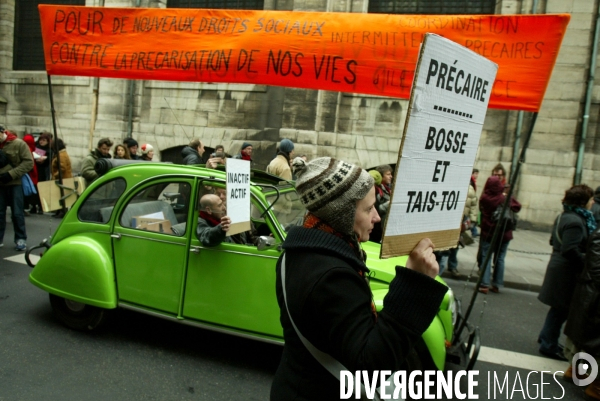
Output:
x=97 y=259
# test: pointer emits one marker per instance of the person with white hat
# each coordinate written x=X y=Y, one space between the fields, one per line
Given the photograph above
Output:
x=147 y=152
x=327 y=298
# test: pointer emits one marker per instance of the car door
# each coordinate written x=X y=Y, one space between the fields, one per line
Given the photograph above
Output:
x=233 y=285
x=151 y=246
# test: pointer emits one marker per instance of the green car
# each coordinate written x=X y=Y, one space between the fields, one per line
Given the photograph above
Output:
x=129 y=241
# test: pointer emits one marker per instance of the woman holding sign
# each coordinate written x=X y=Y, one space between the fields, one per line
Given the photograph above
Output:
x=323 y=291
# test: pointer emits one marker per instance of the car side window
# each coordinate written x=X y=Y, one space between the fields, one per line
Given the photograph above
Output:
x=98 y=206
x=161 y=207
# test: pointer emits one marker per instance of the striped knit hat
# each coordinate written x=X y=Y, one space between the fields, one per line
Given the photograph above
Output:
x=329 y=189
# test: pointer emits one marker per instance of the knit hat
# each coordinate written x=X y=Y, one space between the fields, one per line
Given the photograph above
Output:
x=329 y=189
x=286 y=146
x=146 y=148
x=245 y=145
x=376 y=176
x=130 y=142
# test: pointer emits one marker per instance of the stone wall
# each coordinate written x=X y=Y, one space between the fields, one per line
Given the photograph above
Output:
x=361 y=129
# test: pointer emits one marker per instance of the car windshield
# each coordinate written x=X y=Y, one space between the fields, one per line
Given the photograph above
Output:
x=288 y=209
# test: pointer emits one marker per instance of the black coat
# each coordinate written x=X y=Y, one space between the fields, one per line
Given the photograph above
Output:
x=331 y=306
x=583 y=324
x=566 y=262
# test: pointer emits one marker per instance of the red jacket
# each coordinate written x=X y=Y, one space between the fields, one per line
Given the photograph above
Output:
x=493 y=197
x=33 y=173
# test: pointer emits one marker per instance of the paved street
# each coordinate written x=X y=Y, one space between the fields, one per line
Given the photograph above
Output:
x=138 y=357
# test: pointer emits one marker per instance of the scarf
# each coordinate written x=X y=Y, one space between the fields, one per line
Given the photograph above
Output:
x=590 y=222
x=246 y=157
x=313 y=222
x=9 y=138
x=210 y=219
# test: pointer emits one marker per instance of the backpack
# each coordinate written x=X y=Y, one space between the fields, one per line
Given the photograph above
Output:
x=508 y=221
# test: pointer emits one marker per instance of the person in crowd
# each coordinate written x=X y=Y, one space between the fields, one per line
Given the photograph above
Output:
x=327 y=295
x=569 y=238
x=500 y=172
x=245 y=152
x=219 y=148
x=87 y=165
x=492 y=198
x=132 y=145
x=469 y=214
x=583 y=322
x=32 y=201
x=213 y=223
x=383 y=191
x=43 y=149
x=377 y=233
x=65 y=168
x=122 y=152
x=192 y=153
x=19 y=163
x=473 y=184
x=596 y=205
x=147 y=152
x=280 y=165
x=217 y=160
x=65 y=161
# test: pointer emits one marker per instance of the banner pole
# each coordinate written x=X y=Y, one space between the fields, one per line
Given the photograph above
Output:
x=497 y=230
x=54 y=145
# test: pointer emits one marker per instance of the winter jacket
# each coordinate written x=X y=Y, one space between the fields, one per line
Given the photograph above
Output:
x=490 y=200
x=382 y=197
x=210 y=235
x=583 y=324
x=596 y=209
x=19 y=156
x=65 y=166
x=470 y=210
x=44 y=167
x=87 y=166
x=191 y=156
x=280 y=166
x=33 y=173
x=569 y=238
x=330 y=303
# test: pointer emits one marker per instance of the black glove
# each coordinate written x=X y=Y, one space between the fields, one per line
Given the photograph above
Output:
x=5 y=178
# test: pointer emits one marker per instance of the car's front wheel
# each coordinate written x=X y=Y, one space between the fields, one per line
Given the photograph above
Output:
x=77 y=315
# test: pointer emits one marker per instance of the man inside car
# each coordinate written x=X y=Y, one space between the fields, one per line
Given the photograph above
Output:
x=213 y=224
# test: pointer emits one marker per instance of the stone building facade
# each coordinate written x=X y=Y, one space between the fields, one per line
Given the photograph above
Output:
x=357 y=128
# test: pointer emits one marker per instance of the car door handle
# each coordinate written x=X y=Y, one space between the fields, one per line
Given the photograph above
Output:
x=115 y=236
x=195 y=249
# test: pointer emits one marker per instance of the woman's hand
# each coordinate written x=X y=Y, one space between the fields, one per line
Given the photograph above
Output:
x=422 y=259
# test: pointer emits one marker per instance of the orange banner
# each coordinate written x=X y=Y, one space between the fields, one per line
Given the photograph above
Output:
x=372 y=54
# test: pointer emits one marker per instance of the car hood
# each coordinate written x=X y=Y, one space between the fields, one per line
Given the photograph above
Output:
x=384 y=269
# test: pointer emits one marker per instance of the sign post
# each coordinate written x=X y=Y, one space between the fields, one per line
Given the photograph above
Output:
x=447 y=108
x=238 y=195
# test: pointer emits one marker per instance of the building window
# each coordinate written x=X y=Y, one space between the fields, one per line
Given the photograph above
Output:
x=28 y=50
x=226 y=4
x=432 y=6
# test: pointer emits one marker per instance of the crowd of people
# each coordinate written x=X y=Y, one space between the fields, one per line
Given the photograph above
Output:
x=571 y=286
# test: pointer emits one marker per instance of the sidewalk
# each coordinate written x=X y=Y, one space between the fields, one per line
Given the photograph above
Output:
x=525 y=264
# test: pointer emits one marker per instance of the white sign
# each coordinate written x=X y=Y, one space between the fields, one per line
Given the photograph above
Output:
x=238 y=195
x=447 y=108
